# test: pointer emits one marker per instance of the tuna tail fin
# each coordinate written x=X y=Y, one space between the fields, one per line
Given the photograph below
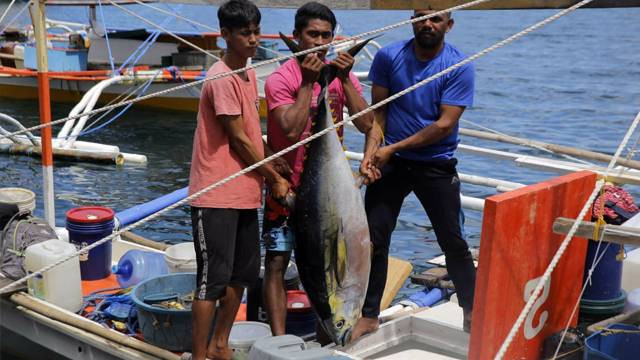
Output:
x=292 y=46
x=329 y=73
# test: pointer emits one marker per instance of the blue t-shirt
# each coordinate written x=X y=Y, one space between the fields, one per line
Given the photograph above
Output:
x=396 y=67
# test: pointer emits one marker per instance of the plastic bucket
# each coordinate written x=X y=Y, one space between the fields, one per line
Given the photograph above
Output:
x=612 y=345
x=87 y=225
x=244 y=334
x=25 y=199
x=181 y=258
x=606 y=279
x=301 y=319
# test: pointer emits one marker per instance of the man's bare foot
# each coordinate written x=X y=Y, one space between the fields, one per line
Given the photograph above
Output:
x=224 y=353
x=364 y=326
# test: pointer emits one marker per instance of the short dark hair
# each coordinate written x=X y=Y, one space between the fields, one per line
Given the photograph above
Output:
x=313 y=10
x=235 y=14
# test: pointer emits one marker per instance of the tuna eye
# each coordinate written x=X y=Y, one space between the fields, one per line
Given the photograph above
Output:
x=340 y=324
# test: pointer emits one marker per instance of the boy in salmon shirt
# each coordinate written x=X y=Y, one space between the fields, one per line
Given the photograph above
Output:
x=228 y=138
x=291 y=93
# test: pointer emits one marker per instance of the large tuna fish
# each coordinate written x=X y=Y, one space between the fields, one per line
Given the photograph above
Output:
x=333 y=251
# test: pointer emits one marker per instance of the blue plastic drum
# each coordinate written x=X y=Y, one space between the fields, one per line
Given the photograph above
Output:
x=607 y=276
x=87 y=225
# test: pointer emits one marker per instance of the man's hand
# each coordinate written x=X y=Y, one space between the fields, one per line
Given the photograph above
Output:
x=368 y=171
x=279 y=189
x=310 y=68
x=281 y=166
x=344 y=63
x=382 y=156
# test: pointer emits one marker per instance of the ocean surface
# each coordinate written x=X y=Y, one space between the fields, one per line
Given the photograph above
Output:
x=575 y=82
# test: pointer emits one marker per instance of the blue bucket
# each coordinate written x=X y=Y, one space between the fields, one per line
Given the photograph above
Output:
x=87 y=225
x=166 y=328
x=611 y=345
x=606 y=279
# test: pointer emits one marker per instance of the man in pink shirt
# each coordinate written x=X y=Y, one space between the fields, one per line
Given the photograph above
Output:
x=291 y=94
x=228 y=138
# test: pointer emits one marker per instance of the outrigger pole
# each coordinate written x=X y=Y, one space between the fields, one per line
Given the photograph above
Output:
x=38 y=18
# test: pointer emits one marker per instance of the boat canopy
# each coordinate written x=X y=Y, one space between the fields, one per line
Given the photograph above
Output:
x=390 y=4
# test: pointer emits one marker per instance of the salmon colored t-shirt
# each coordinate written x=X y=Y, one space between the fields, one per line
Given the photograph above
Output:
x=212 y=158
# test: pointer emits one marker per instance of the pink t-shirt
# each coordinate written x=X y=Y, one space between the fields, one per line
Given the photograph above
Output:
x=212 y=158
x=281 y=88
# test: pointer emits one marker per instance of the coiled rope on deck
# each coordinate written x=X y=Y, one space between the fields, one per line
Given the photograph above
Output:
x=305 y=141
x=252 y=66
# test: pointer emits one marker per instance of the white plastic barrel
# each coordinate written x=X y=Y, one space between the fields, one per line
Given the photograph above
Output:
x=181 y=257
x=631 y=270
x=61 y=285
x=24 y=198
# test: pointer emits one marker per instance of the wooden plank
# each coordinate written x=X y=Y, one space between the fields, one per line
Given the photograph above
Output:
x=397 y=273
x=516 y=247
x=417 y=4
x=611 y=233
x=6 y=281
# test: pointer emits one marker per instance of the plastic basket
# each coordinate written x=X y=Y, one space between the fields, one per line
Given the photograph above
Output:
x=166 y=328
x=611 y=345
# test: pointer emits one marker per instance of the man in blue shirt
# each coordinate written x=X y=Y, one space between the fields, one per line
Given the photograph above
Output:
x=420 y=137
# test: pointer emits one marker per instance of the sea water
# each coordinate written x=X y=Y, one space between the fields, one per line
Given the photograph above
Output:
x=574 y=82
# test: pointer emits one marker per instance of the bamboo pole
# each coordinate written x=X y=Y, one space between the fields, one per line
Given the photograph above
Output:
x=38 y=18
x=561 y=149
x=69 y=154
x=77 y=321
x=134 y=238
x=611 y=233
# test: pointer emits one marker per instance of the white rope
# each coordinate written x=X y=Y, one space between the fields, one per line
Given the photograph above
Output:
x=164 y=30
x=7 y=11
x=542 y=148
x=291 y=148
x=15 y=17
x=194 y=22
x=587 y=282
x=252 y=66
x=565 y=243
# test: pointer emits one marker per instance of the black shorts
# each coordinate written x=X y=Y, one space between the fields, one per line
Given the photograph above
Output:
x=227 y=249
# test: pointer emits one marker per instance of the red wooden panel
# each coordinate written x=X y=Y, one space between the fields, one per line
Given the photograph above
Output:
x=516 y=246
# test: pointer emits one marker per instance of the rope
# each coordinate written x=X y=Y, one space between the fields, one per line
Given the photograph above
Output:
x=7 y=11
x=584 y=287
x=303 y=142
x=146 y=45
x=565 y=243
x=106 y=37
x=15 y=17
x=164 y=30
x=252 y=66
x=529 y=145
x=193 y=22
x=116 y=116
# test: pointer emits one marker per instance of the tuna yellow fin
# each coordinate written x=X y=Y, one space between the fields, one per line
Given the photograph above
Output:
x=340 y=258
